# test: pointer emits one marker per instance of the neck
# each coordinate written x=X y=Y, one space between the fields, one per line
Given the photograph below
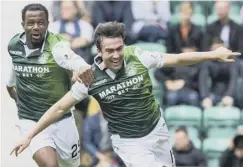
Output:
x=34 y=46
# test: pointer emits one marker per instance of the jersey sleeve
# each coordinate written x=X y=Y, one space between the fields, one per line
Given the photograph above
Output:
x=79 y=91
x=149 y=59
x=66 y=58
x=11 y=79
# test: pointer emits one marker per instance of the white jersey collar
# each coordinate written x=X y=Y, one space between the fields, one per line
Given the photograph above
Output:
x=98 y=61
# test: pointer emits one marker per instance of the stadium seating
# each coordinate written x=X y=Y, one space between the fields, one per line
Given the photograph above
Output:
x=199 y=20
x=221 y=132
x=197 y=143
x=174 y=5
x=213 y=148
x=183 y=115
x=221 y=116
x=220 y=122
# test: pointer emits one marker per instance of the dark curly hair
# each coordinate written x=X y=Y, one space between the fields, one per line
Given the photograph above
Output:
x=109 y=30
x=34 y=7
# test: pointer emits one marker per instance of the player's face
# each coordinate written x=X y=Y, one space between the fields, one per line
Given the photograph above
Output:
x=112 y=53
x=35 y=26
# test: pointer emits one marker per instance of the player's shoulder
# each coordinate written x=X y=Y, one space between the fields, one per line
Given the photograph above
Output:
x=53 y=38
x=129 y=49
x=13 y=41
x=132 y=50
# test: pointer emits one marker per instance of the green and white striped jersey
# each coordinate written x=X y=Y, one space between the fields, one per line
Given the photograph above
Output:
x=126 y=97
x=41 y=76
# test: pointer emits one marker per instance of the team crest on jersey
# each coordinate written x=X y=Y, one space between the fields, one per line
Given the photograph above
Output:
x=131 y=69
x=43 y=58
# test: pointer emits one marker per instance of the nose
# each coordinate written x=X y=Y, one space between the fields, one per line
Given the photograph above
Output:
x=116 y=55
x=35 y=27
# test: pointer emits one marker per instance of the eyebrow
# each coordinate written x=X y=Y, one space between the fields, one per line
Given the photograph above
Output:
x=113 y=48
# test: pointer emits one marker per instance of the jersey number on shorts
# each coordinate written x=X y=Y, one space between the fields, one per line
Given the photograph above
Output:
x=76 y=149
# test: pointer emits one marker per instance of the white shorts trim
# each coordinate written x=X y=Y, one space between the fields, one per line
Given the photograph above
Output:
x=62 y=136
x=153 y=150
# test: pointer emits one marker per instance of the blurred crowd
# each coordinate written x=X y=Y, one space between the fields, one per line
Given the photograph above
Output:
x=171 y=27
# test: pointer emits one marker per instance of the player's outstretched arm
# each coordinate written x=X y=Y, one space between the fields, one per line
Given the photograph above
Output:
x=51 y=116
x=66 y=58
x=189 y=58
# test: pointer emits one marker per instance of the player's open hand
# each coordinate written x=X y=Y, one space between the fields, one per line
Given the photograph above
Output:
x=225 y=55
x=86 y=76
x=21 y=146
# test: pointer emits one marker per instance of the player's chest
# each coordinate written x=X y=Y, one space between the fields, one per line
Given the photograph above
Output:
x=107 y=89
x=35 y=66
x=34 y=56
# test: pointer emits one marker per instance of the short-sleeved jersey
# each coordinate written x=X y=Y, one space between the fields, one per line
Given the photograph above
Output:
x=126 y=100
x=40 y=81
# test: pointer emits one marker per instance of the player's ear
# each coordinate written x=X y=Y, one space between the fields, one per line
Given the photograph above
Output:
x=22 y=23
x=99 y=52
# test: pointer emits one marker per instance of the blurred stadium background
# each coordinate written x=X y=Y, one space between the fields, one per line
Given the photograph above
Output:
x=210 y=130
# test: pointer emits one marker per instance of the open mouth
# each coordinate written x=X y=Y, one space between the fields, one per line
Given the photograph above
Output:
x=116 y=62
x=36 y=36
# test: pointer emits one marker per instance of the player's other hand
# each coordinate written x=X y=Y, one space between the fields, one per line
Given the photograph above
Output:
x=223 y=54
x=20 y=146
x=85 y=76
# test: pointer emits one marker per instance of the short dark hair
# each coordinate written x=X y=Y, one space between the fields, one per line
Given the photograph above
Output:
x=109 y=30
x=182 y=129
x=34 y=7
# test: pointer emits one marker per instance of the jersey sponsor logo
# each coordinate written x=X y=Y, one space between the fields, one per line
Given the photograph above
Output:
x=16 y=52
x=31 y=69
x=100 y=82
x=121 y=88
